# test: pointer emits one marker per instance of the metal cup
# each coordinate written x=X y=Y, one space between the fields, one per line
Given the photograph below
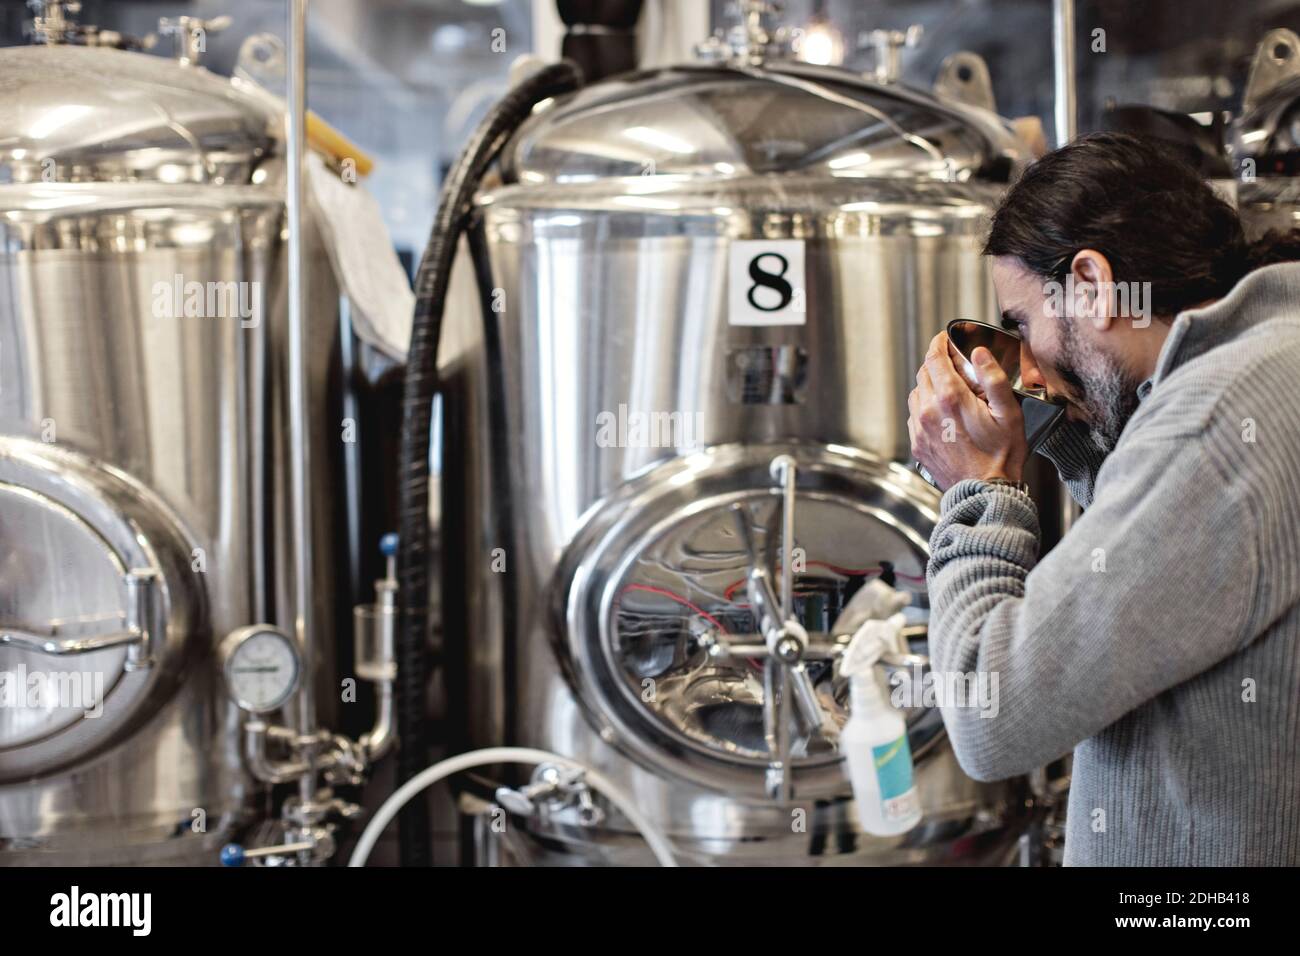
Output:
x=1042 y=415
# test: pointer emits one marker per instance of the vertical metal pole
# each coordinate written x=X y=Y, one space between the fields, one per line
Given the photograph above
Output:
x=778 y=683
x=783 y=470
x=299 y=432
x=1067 y=127
x=1067 y=115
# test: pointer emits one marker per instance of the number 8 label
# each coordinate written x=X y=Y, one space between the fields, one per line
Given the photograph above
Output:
x=766 y=282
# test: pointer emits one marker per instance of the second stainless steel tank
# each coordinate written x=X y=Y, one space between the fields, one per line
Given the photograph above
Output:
x=682 y=276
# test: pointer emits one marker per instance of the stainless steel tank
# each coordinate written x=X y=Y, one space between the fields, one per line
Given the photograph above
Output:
x=681 y=276
x=142 y=475
x=1265 y=138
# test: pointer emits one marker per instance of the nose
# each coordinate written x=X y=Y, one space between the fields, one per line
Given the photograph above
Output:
x=1030 y=375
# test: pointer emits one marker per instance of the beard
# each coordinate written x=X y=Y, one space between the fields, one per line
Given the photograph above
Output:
x=1102 y=389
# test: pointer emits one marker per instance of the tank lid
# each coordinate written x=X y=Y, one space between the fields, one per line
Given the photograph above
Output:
x=725 y=121
x=85 y=114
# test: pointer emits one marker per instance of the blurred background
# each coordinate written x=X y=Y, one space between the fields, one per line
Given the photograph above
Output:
x=408 y=79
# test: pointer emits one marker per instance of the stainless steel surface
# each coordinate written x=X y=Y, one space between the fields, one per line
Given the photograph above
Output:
x=67 y=531
x=1265 y=138
x=171 y=405
x=375 y=658
x=1275 y=65
x=136 y=629
x=590 y=582
x=1064 y=77
x=300 y=437
x=313 y=757
x=1065 y=109
x=83 y=115
x=721 y=124
x=260 y=765
x=145 y=415
x=964 y=77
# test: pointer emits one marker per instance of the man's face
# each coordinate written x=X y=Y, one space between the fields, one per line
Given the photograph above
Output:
x=1065 y=355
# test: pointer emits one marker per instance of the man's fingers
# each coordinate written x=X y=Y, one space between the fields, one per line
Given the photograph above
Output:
x=965 y=369
x=950 y=388
x=996 y=385
x=926 y=402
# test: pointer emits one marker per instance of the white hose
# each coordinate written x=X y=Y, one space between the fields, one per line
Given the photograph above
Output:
x=497 y=755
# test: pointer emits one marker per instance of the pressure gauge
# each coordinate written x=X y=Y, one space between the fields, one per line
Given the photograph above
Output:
x=261 y=666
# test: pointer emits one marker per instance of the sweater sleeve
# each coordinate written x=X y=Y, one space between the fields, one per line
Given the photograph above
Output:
x=1150 y=587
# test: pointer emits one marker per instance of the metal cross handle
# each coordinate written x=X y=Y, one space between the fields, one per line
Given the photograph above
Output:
x=785 y=638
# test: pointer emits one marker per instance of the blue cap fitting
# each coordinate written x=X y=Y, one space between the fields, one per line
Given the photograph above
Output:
x=232 y=854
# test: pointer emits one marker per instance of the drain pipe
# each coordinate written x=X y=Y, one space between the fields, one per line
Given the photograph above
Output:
x=419 y=388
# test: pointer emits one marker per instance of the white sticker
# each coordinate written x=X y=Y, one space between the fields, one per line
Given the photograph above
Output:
x=766 y=283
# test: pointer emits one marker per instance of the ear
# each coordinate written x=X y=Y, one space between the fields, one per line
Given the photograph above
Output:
x=1092 y=284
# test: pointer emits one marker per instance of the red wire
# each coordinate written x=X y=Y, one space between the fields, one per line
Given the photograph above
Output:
x=664 y=592
x=731 y=589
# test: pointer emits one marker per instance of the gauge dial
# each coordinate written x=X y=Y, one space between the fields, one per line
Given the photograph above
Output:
x=261 y=666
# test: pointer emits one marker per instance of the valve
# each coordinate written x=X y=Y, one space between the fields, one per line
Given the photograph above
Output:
x=276 y=854
x=191 y=35
x=749 y=41
x=551 y=790
x=52 y=23
x=888 y=45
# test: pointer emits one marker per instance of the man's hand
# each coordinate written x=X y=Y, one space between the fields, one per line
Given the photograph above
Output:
x=958 y=434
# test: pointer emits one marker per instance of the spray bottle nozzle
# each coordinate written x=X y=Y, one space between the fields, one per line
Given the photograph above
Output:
x=872 y=641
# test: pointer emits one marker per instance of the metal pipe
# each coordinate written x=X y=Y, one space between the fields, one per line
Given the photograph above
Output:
x=260 y=765
x=783 y=470
x=813 y=652
x=299 y=433
x=1066 y=107
x=383 y=734
x=1067 y=127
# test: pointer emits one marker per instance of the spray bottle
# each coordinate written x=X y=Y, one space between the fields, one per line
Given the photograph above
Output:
x=874 y=741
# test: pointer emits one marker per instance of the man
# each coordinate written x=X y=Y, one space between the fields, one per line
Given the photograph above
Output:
x=1160 y=640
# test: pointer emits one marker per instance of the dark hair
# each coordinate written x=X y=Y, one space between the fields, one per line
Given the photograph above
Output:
x=1149 y=213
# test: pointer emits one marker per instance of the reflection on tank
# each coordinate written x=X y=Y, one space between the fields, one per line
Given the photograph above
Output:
x=688 y=590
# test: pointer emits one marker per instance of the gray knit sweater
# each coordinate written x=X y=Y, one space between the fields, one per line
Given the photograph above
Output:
x=1160 y=640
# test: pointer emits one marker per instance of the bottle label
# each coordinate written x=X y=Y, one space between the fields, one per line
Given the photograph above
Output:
x=894 y=771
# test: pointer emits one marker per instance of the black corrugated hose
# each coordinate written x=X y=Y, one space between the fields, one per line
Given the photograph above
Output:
x=417 y=397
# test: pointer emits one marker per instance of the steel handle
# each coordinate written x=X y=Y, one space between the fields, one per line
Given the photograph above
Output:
x=140 y=630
